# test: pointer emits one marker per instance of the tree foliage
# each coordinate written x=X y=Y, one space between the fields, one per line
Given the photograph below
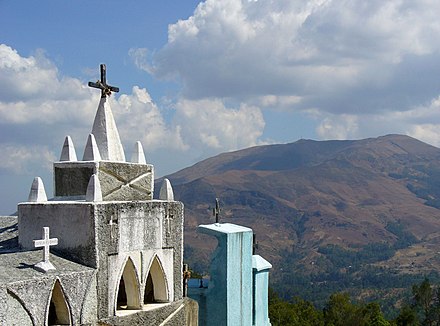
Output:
x=339 y=311
x=422 y=308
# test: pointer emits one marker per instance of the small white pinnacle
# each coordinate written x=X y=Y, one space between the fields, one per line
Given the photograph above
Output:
x=166 y=191
x=37 y=193
x=94 y=192
x=91 y=152
x=138 y=154
x=68 y=152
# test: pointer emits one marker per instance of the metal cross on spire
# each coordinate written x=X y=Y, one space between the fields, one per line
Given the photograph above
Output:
x=254 y=243
x=106 y=90
x=216 y=210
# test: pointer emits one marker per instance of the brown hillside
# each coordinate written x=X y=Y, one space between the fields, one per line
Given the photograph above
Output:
x=303 y=196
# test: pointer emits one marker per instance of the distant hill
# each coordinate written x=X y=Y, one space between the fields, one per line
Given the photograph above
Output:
x=323 y=210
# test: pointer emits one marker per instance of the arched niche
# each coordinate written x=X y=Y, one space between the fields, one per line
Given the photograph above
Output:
x=156 y=288
x=59 y=311
x=17 y=311
x=127 y=296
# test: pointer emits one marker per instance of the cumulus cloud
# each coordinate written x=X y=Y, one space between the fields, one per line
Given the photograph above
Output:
x=21 y=159
x=338 y=127
x=141 y=58
x=39 y=107
x=139 y=117
x=209 y=124
x=421 y=122
x=348 y=57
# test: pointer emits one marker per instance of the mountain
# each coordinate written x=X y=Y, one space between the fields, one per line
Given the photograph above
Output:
x=323 y=210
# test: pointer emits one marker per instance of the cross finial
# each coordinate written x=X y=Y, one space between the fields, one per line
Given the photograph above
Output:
x=216 y=210
x=106 y=90
x=46 y=242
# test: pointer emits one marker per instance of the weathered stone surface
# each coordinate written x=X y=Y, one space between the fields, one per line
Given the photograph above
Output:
x=68 y=152
x=19 y=282
x=119 y=181
x=8 y=234
x=37 y=193
x=76 y=289
x=18 y=315
x=179 y=313
x=105 y=218
x=139 y=227
x=94 y=192
x=91 y=151
x=64 y=220
x=137 y=179
x=166 y=191
x=138 y=154
x=106 y=133
x=72 y=178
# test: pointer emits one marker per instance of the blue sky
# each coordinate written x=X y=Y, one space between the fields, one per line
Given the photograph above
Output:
x=200 y=78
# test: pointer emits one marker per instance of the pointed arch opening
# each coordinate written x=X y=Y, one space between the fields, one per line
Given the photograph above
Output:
x=156 y=289
x=128 y=289
x=21 y=315
x=59 y=311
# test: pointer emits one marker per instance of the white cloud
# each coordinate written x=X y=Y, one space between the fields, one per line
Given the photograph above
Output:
x=139 y=118
x=210 y=126
x=21 y=159
x=338 y=127
x=427 y=133
x=345 y=57
x=421 y=122
x=34 y=121
x=141 y=58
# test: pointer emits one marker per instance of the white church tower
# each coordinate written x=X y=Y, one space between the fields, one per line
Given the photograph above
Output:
x=119 y=252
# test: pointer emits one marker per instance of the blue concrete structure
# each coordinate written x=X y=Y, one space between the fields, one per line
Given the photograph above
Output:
x=229 y=295
x=260 y=298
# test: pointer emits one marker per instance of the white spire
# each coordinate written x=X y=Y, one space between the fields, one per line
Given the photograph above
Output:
x=37 y=193
x=91 y=151
x=166 y=191
x=94 y=192
x=106 y=133
x=138 y=154
x=68 y=152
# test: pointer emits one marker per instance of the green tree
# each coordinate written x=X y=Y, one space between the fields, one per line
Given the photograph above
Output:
x=298 y=313
x=407 y=317
x=339 y=311
x=372 y=315
x=423 y=297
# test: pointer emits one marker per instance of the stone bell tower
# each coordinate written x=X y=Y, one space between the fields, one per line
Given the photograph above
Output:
x=104 y=216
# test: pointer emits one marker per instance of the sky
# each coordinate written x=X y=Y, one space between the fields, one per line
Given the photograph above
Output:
x=200 y=78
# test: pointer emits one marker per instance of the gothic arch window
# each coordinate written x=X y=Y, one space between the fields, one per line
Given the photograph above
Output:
x=20 y=315
x=128 y=289
x=156 y=289
x=59 y=311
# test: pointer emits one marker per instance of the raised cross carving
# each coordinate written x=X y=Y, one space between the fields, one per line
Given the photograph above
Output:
x=46 y=242
x=111 y=223
x=168 y=216
x=106 y=90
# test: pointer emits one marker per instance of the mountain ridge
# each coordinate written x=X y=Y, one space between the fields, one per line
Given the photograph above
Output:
x=310 y=201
